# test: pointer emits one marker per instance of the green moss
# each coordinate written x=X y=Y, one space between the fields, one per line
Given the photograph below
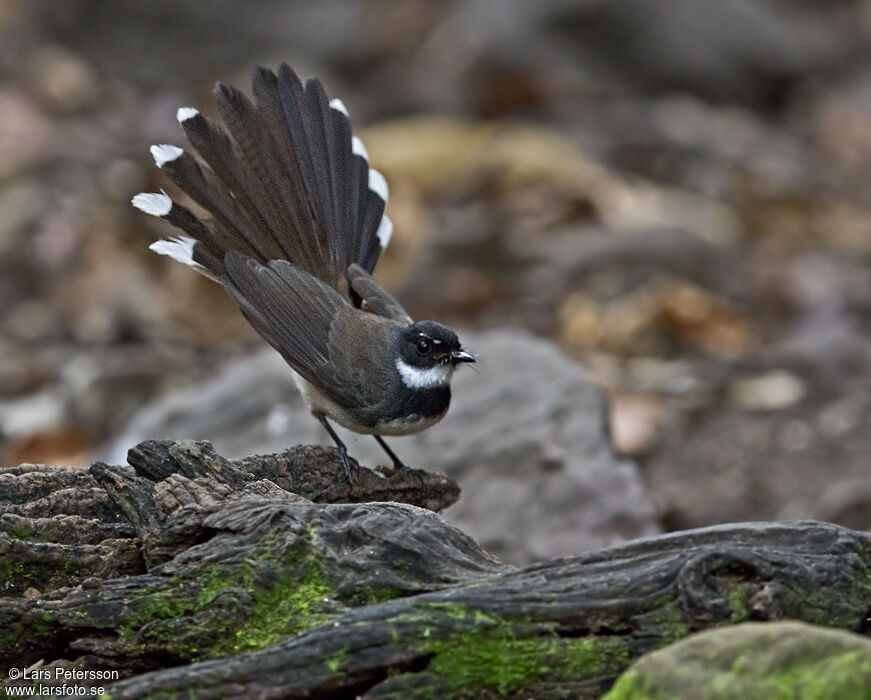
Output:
x=15 y=576
x=823 y=607
x=492 y=657
x=214 y=580
x=70 y=569
x=43 y=625
x=337 y=660
x=10 y=569
x=666 y=619
x=738 y=598
x=21 y=532
x=13 y=633
x=290 y=606
x=633 y=686
x=372 y=596
x=234 y=607
x=160 y=604
x=842 y=676
x=499 y=662
x=456 y=611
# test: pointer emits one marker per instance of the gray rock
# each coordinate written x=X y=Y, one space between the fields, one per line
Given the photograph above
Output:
x=753 y=660
x=525 y=437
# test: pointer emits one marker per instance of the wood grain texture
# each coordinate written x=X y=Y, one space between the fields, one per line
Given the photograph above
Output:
x=249 y=589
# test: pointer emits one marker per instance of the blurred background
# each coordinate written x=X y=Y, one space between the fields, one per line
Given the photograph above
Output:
x=674 y=192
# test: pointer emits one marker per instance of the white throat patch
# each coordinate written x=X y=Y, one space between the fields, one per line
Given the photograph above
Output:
x=417 y=378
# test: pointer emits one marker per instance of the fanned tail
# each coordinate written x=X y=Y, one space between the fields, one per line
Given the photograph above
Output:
x=281 y=178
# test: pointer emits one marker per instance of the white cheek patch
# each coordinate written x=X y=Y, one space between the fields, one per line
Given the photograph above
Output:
x=417 y=378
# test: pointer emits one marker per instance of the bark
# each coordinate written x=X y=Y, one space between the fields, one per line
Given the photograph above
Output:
x=242 y=588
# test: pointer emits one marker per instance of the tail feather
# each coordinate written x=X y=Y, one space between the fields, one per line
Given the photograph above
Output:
x=234 y=179
x=201 y=185
x=358 y=195
x=312 y=249
x=198 y=249
x=283 y=179
x=291 y=94
x=340 y=158
x=316 y=115
x=370 y=248
x=254 y=144
x=332 y=168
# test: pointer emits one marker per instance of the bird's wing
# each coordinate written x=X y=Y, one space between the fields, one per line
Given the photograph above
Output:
x=374 y=297
x=308 y=322
x=362 y=367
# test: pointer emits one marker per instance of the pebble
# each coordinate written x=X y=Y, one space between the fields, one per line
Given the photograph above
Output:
x=774 y=391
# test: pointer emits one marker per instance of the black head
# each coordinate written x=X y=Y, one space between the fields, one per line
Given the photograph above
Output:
x=428 y=344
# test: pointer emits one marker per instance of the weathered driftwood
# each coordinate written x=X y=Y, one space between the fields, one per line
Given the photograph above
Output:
x=244 y=589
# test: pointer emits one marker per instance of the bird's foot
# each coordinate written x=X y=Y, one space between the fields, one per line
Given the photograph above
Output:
x=333 y=493
x=346 y=463
x=398 y=465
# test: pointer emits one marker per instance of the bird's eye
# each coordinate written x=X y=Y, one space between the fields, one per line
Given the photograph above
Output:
x=423 y=346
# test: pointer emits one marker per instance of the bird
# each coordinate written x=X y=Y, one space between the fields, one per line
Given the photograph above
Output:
x=291 y=222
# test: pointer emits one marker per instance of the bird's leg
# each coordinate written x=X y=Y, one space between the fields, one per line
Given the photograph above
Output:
x=343 y=451
x=390 y=453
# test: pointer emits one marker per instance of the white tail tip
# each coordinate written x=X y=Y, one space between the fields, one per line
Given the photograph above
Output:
x=164 y=153
x=338 y=105
x=154 y=203
x=378 y=184
x=185 y=113
x=384 y=232
x=358 y=147
x=179 y=248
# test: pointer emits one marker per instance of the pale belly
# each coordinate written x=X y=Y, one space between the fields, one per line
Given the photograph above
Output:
x=408 y=425
x=319 y=402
